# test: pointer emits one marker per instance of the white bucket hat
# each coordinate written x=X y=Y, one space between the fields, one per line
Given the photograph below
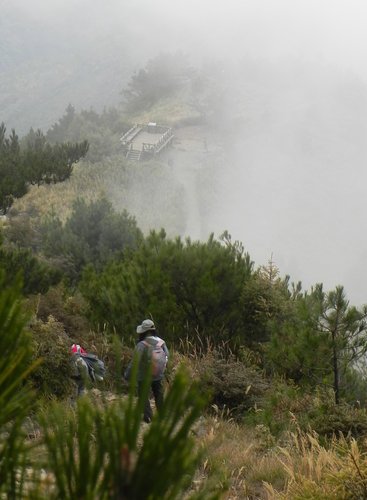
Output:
x=146 y=325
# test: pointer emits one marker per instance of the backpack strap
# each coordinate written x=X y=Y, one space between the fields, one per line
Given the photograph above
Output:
x=158 y=344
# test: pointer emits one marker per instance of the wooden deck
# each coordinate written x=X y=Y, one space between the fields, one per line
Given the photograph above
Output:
x=146 y=138
x=145 y=141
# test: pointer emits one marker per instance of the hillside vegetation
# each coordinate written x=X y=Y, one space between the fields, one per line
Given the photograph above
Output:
x=265 y=390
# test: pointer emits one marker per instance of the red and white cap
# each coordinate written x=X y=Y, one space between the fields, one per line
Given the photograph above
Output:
x=78 y=348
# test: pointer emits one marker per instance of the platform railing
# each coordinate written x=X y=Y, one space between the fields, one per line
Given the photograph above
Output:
x=130 y=134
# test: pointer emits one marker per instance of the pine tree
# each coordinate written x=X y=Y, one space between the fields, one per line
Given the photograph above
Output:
x=38 y=163
x=346 y=328
x=13 y=182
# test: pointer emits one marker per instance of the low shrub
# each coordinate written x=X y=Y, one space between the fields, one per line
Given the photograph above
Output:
x=286 y=407
x=66 y=309
x=37 y=275
x=231 y=384
x=329 y=419
x=52 y=378
x=276 y=406
x=60 y=313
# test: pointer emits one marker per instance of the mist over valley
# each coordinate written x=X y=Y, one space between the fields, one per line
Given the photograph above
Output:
x=182 y=205
x=270 y=134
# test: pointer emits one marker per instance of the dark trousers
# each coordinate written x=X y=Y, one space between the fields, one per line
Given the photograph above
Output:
x=157 y=389
x=79 y=380
x=81 y=386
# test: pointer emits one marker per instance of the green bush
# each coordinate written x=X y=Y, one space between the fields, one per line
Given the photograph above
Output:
x=66 y=308
x=283 y=407
x=329 y=419
x=286 y=407
x=52 y=378
x=60 y=322
x=37 y=276
x=354 y=386
x=187 y=287
x=102 y=131
x=93 y=234
x=231 y=384
x=264 y=301
x=22 y=228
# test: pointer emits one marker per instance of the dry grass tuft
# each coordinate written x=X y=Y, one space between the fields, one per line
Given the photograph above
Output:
x=314 y=471
x=251 y=467
x=240 y=458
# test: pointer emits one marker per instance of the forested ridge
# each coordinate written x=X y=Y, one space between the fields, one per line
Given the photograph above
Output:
x=266 y=388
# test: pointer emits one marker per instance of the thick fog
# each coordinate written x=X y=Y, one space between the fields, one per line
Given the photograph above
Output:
x=292 y=180
x=329 y=30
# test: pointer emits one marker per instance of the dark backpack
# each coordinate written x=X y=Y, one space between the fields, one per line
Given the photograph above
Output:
x=96 y=367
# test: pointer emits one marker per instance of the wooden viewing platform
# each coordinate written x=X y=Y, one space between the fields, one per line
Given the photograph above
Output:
x=143 y=142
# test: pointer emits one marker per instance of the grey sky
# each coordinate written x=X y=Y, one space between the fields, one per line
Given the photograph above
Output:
x=330 y=29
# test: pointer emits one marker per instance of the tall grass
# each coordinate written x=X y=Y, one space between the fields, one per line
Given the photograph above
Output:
x=315 y=471
x=244 y=458
x=128 y=186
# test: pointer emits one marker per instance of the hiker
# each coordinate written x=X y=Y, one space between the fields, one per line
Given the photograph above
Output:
x=153 y=348
x=86 y=366
x=80 y=367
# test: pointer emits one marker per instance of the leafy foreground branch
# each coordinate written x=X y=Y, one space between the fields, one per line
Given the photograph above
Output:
x=95 y=451
x=103 y=452
x=15 y=398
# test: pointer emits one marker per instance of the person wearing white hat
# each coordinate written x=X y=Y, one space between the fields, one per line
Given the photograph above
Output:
x=153 y=348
